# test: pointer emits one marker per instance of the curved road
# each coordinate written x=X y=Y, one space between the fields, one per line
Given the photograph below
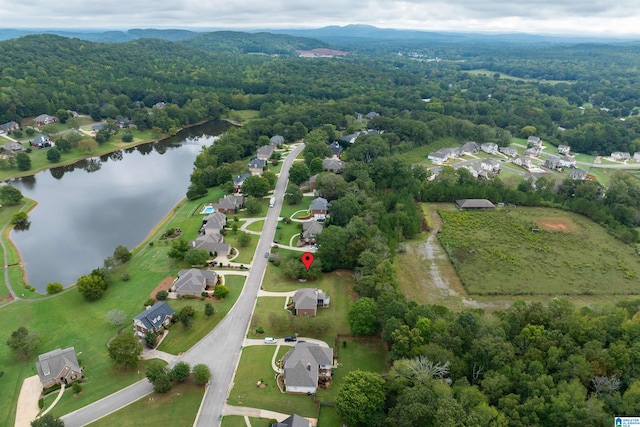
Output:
x=220 y=349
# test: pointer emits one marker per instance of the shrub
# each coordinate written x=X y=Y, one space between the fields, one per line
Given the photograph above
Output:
x=76 y=387
x=162 y=295
x=220 y=291
x=54 y=288
x=259 y=330
x=41 y=403
x=125 y=277
x=149 y=302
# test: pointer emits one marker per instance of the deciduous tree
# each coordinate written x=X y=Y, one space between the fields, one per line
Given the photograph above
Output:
x=10 y=195
x=91 y=286
x=363 y=317
x=201 y=374
x=360 y=400
x=125 y=349
x=23 y=342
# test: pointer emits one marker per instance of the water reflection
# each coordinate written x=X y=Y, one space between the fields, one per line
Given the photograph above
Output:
x=87 y=209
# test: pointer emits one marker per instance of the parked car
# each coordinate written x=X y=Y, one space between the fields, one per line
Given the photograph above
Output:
x=266 y=254
x=270 y=340
x=290 y=339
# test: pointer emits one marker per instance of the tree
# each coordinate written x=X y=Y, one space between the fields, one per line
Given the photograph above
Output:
x=363 y=317
x=299 y=173
x=180 y=371
x=244 y=239
x=125 y=349
x=316 y=166
x=160 y=377
x=121 y=254
x=10 y=195
x=87 y=145
x=47 y=420
x=54 y=288
x=20 y=219
x=53 y=155
x=115 y=316
x=201 y=374
x=360 y=400
x=293 y=194
x=91 y=286
x=220 y=291
x=23 y=161
x=126 y=137
x=186 y=315
x=196 y=190
x=178 y=249
x=196 y=256
x=255 y=186
x=22 y=342
x=209 y=310
x=253 y=205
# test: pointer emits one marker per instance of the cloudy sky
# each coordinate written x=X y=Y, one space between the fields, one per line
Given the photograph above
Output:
x=594 y=17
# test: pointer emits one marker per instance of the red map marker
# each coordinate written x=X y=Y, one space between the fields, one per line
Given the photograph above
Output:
x=307 y=259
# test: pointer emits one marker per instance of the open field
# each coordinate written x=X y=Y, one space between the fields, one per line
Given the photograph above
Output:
x=489 y=73
x=529 y=251
x=178 y=407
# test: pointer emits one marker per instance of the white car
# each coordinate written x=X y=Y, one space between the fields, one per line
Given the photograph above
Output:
x=269 y=340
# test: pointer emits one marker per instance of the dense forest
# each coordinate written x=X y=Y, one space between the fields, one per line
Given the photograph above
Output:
x=530 y=364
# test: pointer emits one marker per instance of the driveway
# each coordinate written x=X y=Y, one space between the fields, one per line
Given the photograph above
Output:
x=28 y=409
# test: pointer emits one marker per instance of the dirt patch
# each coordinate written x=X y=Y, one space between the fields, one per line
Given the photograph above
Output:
x=163 y=286
x=557 y=224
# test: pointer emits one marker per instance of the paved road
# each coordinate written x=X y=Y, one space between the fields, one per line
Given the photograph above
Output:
x=220 y=349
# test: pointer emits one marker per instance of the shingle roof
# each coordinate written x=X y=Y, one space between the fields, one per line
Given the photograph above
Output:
x=333 y=165
x=311 y=228
x=265 y=150
x=305 y=299
x=194 y=280
x=239 y=180
x=257 y=164
x=319 y=204
x=474 y=204
x=294 y=420
x=51 y=364
x=153 y=316
x=302 y=362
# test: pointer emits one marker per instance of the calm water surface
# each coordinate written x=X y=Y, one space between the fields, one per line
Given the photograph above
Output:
x=87 y=209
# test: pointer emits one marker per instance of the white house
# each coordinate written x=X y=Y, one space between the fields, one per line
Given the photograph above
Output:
x=489 y=147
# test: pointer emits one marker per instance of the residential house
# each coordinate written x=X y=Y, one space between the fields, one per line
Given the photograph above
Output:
x=533 y=151
x=194 y=282
x=276 y=140
x=13 y=147
x=333 y=165
x=265 y=152
x=294 y=420
x=213 y=243
x=41 y=141
x=307 y=300
x=213 y=223
x=564 y=149
x=578 y=174
x=153 y=318
x=474 y=204
x=523 y=161
x=477 y=171
x=440 y=156
x=371 y=115
x=620 y=156
x=159 y=105
x=489 y=147
x=567 y=162
x=313 y=182
x=351 y=138
x=490 y=165
x=256 y=166
x=59 y=366
x=238 y=181
x=9 y=127
x=44 y=119
x=310 y=229
x=534 y=141
x=553 y=162
x=509 y=151
x=122 y=122
x=229 y=204
x=305 y=366
x=636 y=156
x=469 y=147
x=319 y=208
x=336 y=148
x=98 y=126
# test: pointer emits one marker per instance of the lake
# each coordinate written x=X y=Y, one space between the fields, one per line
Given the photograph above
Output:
x=87 y=209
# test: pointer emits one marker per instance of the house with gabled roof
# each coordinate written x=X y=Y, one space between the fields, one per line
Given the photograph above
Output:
x=438 y=157
x=256 y=166
x=578 y=174
x=213 y=222
x=239 y=180
x=477 y=171
x=213 y=243
x=265 y=152
x=276 y=140
x=489 y=147
x=564 y=149
x=509 y=151
x=534 y=141
x=44 y=119
x=310 y=229
x=305 y=366
x=319 y=208
x=59 y=366
x=229 y=204
x=636 y=156
x=13 y=147
x=9 y=127
x=306 y=301
x=41 y=141
x=194 y=281
x=336 y=148
x=620 y=156
x=469 y=147
x=153 y=319
x=533 y=151
x=490 y=165
x=371 y=115
x=567 y=162
x=333 y=164
x=553 y=162
x=523 y=161
x=294 y=420
x=474 y=204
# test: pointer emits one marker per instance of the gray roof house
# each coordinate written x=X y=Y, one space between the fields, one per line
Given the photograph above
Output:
x=239 y=180
x=212 y=243
x=310 y=229
x=636 y=156
x=41 y=141
x=256 y=166
x=509 y=151
x=578 y=174
x=470 y=147
x=552 y=162
x=491 y=165
x=14 y=147
x=564 y=149
x=265 y=152
x=523 y=161
x=294 y=420
x=474 y=204
x=333 y=165
x=9 y=127
x=336 y=148
x=44 y=119
x=305 y=365
x=59 y=366
x=276 y=140
x=620 y=155
x=153 y=318
x=319 y=207
x=534 y=141
x=194 y=281
x=533 y=151
x=229 y=204
x=213 y=222
x=307 y=300
x=98 y=126
x=489 y=147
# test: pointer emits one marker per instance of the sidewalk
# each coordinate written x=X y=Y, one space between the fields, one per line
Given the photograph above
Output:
x=260 y=413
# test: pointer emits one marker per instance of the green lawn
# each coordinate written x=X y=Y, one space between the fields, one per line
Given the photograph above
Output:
x=419 y=154
x=288 y=210
x=181 y=339
x=178 y=407
x=329 y=417
x=256 y=226
x=284 y=233
x=238 y=421
x=489 y=73
x=496 y=253
x=246 y=253
x=255 y=365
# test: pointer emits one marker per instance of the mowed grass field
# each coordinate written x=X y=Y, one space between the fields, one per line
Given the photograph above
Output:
x=537 y=251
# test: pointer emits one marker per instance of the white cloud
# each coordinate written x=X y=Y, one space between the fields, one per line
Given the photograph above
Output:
x=547 y=16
